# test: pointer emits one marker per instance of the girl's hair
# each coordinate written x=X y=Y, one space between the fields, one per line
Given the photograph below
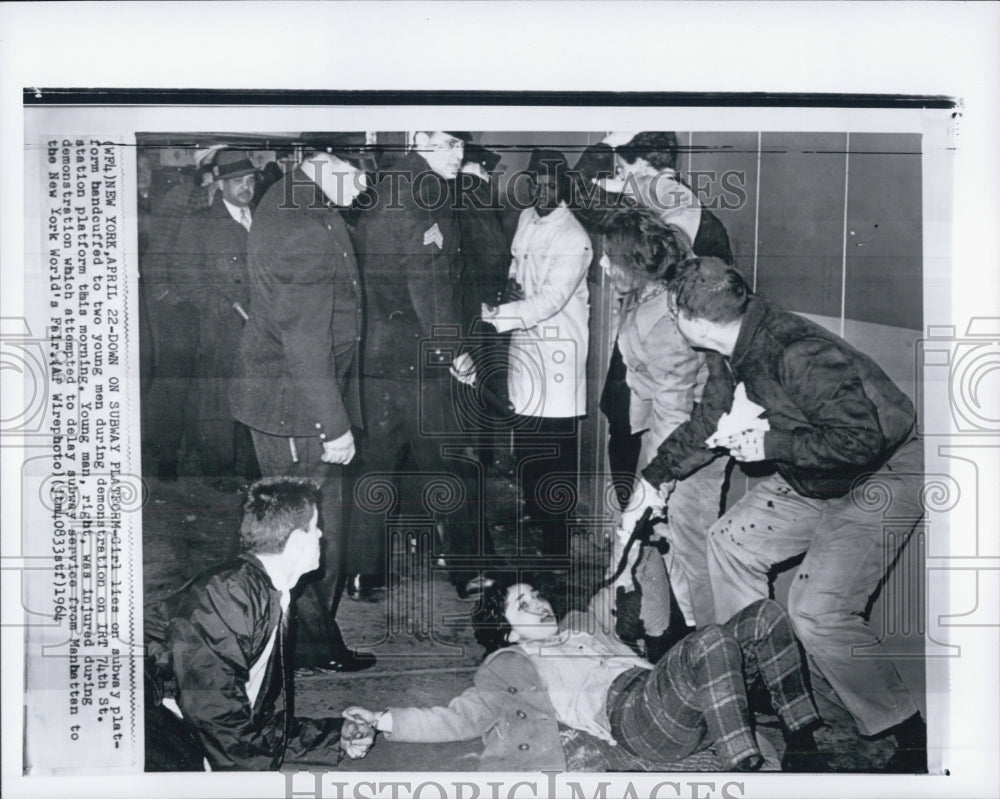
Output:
x=638 y=241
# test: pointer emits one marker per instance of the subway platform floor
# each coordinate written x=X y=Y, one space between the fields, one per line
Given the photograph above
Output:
x=420 y=631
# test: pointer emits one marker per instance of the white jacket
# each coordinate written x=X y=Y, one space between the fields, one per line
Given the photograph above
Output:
x=548 y=350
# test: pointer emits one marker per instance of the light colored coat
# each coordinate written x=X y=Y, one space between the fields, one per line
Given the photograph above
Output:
x=508 y=705
x=548 y=349
x=665 y=376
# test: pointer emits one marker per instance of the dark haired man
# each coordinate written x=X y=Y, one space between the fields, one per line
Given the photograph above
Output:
x=834 y=424
x=222 y=639
x=539 y=673
x=295 y=382
x=548 y=317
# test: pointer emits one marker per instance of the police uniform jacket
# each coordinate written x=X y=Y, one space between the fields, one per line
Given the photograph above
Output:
x=296 y=368
x=408 y=248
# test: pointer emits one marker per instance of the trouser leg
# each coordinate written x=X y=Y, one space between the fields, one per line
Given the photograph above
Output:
x=692 y=509
x=376 y=485
x=769 y=525
x=451 y=490
x=547 y=456
x=851 y=549
x=770 y=652
x=694 y=697
x=317 y=638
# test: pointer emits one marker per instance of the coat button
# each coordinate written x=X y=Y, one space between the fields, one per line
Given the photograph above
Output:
x=523 y=747
x=521 y=714
x=512 y=689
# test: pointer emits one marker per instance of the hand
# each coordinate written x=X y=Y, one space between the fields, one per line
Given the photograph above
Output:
x=747 y=446
x=356 y=736
x=644 y=495
x=512 y=292
x=340 y=450
x=463 y=369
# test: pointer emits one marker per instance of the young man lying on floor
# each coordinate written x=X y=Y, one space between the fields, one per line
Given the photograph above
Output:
x=539 y=673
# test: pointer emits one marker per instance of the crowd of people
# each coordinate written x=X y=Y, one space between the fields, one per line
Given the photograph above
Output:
x=330 y=332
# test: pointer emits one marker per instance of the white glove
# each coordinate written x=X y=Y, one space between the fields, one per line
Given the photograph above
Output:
x=463 y=369
x=340 y=450
x=644 y=495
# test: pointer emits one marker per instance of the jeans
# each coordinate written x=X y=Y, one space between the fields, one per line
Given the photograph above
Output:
x=849 y=543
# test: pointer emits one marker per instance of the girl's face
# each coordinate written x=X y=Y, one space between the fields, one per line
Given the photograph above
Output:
x=530 y=616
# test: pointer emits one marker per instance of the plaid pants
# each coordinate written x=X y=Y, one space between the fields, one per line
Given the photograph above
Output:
x=696 y=695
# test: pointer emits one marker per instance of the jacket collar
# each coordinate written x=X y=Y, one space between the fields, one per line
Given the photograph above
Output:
x=753 y=318
x=561 y=211
x=254 y=562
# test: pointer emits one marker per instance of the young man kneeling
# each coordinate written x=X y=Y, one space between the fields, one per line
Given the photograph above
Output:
x=539 y=673
x=223 y=639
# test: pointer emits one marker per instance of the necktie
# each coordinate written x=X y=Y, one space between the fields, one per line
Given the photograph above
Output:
x=245 y=218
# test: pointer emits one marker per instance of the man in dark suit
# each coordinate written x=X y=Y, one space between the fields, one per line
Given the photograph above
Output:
x=296 y=370
x=408 y=246
x=214 y=259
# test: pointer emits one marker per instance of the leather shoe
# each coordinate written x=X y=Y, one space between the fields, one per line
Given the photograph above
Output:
x=348 y=662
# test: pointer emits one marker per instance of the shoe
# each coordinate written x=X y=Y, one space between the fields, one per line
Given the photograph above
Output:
x=363 y=587
x=348 y=662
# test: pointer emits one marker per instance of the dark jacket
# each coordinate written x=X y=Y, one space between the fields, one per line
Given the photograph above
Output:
x=485 y=256
x=212 y=249
x=411 y=286
x=206 y=637
x=834 y=414
x=712 y=239
x=213 y=257
x=296 y=368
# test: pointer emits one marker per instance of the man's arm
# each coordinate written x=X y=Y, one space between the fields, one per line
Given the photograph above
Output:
x=843 y=427
x=684 y=450
x=212 y=667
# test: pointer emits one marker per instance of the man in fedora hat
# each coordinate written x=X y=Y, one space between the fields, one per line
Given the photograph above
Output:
x=213 y=244
x=296 y=384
